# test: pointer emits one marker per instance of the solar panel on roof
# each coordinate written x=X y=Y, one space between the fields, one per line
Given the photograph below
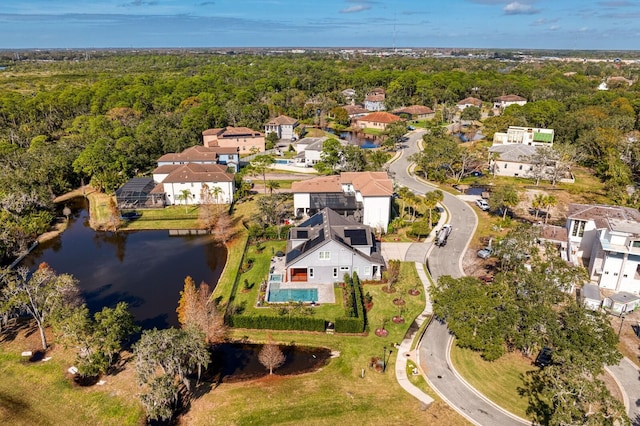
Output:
x=358 y=237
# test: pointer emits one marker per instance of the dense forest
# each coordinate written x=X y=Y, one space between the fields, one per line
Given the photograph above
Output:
x=70 y=118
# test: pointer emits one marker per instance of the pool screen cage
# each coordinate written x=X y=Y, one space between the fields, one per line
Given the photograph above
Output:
x=136 y=193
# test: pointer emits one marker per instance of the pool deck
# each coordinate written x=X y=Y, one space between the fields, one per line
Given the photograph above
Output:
x=325 y=290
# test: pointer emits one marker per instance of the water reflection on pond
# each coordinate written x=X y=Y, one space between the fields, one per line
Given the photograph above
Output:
x=146 y=269
x=233 y=362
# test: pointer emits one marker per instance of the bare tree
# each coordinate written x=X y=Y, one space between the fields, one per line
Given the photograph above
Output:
x=196 y=311
x=43 y=295
x=271 y=356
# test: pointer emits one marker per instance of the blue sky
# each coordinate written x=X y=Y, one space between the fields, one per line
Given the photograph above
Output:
x=534 y=24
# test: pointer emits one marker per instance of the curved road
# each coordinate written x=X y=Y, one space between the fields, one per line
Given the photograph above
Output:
x=434 y=346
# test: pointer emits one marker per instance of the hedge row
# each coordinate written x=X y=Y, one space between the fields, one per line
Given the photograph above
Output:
x=353 y=324
x=276 y=323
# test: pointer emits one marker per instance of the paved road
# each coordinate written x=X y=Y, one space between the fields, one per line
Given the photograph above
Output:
x=434 y=346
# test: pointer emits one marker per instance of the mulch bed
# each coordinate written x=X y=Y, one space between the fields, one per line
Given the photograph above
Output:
x=381 y=332
x=398 y=302
x=398 y=320
x=388 y=289
x=413 y=292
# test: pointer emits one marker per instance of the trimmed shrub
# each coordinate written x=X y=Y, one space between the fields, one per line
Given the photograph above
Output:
x=276 y=323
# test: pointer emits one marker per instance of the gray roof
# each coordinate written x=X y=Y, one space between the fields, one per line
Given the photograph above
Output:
x=591 y=291
x=624 y=297
x=516 y=153
x=327 y=225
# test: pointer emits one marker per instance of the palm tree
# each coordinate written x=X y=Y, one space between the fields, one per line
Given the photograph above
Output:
x=271 y=185
x=538 y=203
x=216 y=192
x=549 y=201
x=184 y=195
x=430 y=201
x=403 y=192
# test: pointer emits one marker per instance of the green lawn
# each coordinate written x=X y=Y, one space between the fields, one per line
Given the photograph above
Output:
x=498 y=380
x=40 y=394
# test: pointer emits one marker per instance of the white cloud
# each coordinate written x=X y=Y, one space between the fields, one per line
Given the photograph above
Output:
x=355 y=8
x=517 y=8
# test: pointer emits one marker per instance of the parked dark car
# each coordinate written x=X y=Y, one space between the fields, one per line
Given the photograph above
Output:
x=544 y=357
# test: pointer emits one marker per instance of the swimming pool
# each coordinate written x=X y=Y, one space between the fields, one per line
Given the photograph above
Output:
x=280 y=161
x=276 y=294
x=275 y=278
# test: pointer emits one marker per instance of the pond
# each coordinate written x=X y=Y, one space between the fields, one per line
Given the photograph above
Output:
x=146 y=269
x=233 y=362
x=361 y=139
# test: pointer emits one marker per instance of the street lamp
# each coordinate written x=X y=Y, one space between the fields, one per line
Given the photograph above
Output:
x=622 y=316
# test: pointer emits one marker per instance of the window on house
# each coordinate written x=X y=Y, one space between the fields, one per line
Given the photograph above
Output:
x=578 y=228
x=606 y=272
x=625 y=275
x=344 y=268
x=520 y=168
x=335 y=272
x=310 y=272
x=615 y=274
x=635 y=244
x=505 y=166
x=367 y=270
x=324 y=255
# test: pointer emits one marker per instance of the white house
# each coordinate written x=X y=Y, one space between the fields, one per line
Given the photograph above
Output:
x=511 y=160
x=524 y=135
x=309 y=150
x=607 y=240
x=374 y=100
x=226 y=156
x=506 y=100
x=327 y=245
x=469 y=102
x=197 y=181
x=365 y=196
x=283 y=126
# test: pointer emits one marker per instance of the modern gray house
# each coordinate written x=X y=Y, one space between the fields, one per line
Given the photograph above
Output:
x=326 y=246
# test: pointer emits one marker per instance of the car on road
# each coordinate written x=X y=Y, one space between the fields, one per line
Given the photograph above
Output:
x=443 y=235
x=482 y=204
x=485 y=253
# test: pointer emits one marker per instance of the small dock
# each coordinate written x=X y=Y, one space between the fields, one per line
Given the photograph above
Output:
x=177 y=232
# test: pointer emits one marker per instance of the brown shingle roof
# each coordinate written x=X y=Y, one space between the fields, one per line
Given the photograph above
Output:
x=316 y=185
x=194 y=153
x=415 y=110
x=198 y=173
x=374 y=98
x=282 y=120
x=380 y=117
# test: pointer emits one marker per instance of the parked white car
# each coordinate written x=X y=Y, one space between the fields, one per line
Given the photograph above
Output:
x=482 y=204
x=485 y=253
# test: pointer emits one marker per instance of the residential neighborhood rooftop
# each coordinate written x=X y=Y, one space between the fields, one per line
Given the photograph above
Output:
x=282 y=120
x=193 y=172
x=380 y=117
x=367 y=183
x=614 y=218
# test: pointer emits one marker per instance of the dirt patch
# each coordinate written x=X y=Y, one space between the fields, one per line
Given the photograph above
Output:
x=629 y=330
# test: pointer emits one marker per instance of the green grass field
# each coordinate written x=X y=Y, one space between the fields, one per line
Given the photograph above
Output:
x=498 y=380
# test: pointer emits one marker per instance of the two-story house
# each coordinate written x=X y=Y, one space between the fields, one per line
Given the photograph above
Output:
x=511 y=152
x=194 y=183
x=283 y=126
x=243 y=138
x=309 y=150
x=374 y=100
x=365 y=196
x=225 y=156
x=606 y=239
x=327 y=246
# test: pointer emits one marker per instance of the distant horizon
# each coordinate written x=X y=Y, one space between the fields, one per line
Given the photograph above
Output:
x=609 y=25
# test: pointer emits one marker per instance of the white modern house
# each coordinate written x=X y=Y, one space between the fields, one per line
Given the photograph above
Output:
x=365 y=196
x=327 y=246
x=198 y=182
x=283 y=126
x=525 y=136
x=606 y=239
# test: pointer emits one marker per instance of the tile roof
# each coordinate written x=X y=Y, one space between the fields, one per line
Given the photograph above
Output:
x=282 y=120
x=415 y=110
x=369 y=184
x=625 y=219
x=355 y=109
x=231 y=132
x=471 y=101
x=380 y=117
x=194 y=153
x=374 y=98
x=193 y=172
